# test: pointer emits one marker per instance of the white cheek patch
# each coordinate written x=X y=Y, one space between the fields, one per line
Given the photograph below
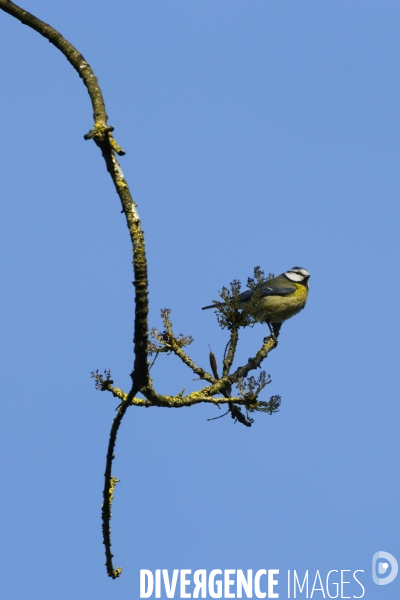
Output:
x=304 y=272
x=297 y=277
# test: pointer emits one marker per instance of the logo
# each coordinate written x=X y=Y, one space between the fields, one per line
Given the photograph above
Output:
x=381 y=561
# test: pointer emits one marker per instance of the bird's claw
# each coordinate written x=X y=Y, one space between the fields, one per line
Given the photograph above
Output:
x=273 y=336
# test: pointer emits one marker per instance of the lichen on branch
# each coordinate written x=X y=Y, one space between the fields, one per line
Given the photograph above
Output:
x=218 y=390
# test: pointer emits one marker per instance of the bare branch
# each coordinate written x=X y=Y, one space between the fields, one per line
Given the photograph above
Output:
x=233 y=342
x=101 y=134
x=169 y=342
x=228 y=313
x=108 y=493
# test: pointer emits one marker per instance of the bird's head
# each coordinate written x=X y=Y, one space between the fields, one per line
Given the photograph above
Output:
x=298 y=275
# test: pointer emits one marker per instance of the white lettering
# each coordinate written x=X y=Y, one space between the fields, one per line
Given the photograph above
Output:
x=145 y=574
x=305 y=581
x=158 y=583
x=221 y=584
x=359 y=582
x=315 y=589
x=343 y=582
x=243 y=584
x=184 y=583
x=228 y=583
x=327 y=584
x=170 y=588
x=272 y=582
x=258 y=592
x=200 y=579
x=211 y=587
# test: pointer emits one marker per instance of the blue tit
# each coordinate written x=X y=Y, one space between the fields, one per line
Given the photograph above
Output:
x=280 y=298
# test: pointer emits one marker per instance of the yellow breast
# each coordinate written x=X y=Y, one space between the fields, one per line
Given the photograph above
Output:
x=276 y=309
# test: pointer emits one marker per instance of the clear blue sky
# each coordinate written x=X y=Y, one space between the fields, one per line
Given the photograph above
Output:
x=257 y=133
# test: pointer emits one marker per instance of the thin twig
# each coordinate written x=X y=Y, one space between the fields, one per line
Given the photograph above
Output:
x=101 y=134
x=228 y=360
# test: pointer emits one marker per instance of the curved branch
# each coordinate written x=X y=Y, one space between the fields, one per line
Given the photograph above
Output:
x=101 y=134
x=73 y=56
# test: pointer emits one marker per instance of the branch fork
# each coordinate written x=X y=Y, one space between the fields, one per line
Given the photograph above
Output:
x=219 y=389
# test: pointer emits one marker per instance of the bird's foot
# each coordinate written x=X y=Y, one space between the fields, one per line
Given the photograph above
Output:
x=274 y=329
x=273 y=336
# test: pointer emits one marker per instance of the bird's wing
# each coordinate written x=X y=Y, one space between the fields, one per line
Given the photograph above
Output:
x=272 y=290
x=277 y=291
x=267 y=291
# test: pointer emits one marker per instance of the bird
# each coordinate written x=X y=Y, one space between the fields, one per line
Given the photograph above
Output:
x=280 y=298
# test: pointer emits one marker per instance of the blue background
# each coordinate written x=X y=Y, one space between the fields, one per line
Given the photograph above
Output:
x=257 y=133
